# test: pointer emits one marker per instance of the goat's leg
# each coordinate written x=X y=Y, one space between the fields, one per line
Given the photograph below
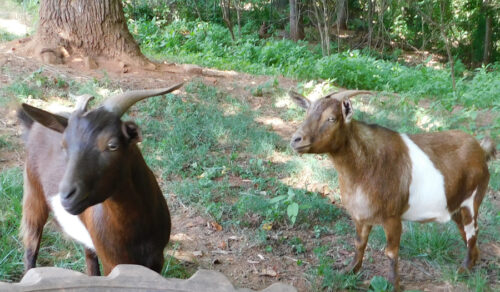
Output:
x=469 y=216
x=393 y=229
x=35 y=214
x=92 y=263
x=457 y=217
x=362 y=233
x=469 y=222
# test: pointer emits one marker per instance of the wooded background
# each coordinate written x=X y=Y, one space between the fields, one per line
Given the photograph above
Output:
x=464 y=31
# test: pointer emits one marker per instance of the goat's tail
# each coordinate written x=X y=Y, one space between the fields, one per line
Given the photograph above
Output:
x=489 y=148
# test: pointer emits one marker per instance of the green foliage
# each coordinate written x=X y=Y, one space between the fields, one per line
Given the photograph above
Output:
x=329 y=278
x=380 y=284
x=6 y=36
x=5 y=143
x=11 y=256
x=199 y=138
x=432 y=242
x=209 y=44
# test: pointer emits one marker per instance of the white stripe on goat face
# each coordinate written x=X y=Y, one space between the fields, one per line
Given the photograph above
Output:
x=427 y=199
x=71 y=224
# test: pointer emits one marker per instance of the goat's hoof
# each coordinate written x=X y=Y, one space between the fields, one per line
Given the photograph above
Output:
x=463 y=269
x=352 y=268
x=394 y=280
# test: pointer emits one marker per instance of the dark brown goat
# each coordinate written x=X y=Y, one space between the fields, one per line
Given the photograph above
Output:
x=88 y=170
x=386 y=177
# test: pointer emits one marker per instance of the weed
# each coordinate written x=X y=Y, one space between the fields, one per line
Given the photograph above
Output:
x=330 y=279
x=208 y=44
x=297 y=245
x=173 y=268
x=380 y=284
x=6 y=143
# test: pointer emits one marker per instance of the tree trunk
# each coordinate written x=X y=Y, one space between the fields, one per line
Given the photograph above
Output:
x=341 y=14
x=237 y=6
x=86 y=28
x=447 y=46
x=296 y=28
x=370 y=23
x=225 y=6
x=487 y=34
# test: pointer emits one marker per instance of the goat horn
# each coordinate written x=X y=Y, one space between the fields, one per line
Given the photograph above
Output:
x=82 y=102
x=120 y=103
x=348 y=93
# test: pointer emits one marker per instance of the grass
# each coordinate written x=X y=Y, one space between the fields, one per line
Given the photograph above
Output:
x=202 y=142
x=11 y=260
x=209 y=44
x=205 y=144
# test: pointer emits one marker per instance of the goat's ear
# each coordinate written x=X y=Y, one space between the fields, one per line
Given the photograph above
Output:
x=299 y=99
x=132 y=132
x=46 y=119
x=347 y=111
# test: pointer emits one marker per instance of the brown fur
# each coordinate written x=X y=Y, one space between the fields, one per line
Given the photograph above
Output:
x=122 y=205
x=375 y=171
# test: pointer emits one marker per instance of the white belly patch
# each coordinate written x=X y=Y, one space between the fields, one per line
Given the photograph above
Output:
x=358 y=205
x=427 y=192
x=71 y=224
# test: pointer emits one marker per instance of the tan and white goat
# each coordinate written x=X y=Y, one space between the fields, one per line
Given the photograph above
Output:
x=386 y=177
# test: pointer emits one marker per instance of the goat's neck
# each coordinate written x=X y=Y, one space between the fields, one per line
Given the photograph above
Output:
x=356 y=151
x=135 y=191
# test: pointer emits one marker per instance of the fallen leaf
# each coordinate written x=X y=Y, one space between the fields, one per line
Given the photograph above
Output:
x=216 y=226
x=252 y=262
x=222 y=245
x=267 y=226
x=197 y=253
x=268 y=273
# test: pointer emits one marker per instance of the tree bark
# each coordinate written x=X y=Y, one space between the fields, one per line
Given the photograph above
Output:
x=341 y=14
x=370 y=23
x=447 y=45
x=225 y=6
x=88 y=28
x=296 y=28
x=487 y=34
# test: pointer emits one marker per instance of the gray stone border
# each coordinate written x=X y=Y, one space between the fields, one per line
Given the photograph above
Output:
x=127 y=278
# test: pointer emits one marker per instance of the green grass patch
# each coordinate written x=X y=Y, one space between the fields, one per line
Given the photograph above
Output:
x=325 y=277
x=11 y=256
x=205 y=141
x=209 y=44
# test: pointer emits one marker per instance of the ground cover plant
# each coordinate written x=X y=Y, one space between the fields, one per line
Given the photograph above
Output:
x=210 y=45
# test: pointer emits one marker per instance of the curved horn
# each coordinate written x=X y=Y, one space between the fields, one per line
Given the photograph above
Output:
x=348 y=93
x=82 y=102
x=120 y=103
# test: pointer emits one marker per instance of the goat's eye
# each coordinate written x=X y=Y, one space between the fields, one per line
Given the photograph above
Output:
x=112 y=146
x=332 y=119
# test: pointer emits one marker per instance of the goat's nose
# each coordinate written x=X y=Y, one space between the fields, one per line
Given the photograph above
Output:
x=296 y=139
x=68 y=192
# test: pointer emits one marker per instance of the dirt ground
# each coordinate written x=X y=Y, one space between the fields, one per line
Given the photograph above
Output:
x=198 y=241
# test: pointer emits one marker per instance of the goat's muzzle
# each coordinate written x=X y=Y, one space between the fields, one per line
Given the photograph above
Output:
x=299 y=143
x=73 y=199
